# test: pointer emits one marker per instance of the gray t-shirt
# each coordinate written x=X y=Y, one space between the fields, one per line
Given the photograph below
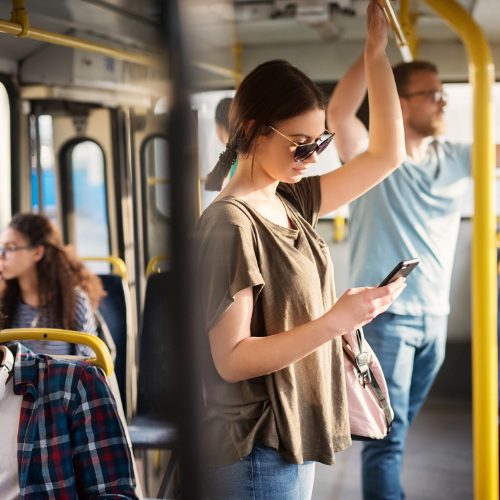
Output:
x=27 y=316
x=301 y=410
x=415 y=212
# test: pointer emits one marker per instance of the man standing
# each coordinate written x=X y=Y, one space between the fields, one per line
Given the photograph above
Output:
x=415 y=212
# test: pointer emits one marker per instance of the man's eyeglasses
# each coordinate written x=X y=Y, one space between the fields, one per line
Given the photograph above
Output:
x=304 y=151
x=434 y=95
x=10 y=249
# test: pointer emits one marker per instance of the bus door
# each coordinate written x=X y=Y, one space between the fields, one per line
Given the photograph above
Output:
x=152 y=193
x=72 y=174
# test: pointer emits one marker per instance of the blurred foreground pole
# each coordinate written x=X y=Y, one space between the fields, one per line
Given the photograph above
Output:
x=183 y=192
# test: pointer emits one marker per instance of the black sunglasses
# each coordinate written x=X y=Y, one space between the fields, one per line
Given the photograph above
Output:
x=304 y=151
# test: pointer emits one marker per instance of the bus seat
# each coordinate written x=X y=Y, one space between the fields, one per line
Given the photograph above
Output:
x=104 y=334
x=152 y=427
x=102 y=359
x=115 y=310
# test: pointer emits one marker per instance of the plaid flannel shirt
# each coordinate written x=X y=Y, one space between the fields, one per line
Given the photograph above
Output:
x=71 y=443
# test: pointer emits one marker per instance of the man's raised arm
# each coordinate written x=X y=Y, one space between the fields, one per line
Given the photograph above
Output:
x=351 y=136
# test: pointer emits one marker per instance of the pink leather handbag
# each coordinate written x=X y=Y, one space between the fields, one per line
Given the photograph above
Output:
x=370 y=412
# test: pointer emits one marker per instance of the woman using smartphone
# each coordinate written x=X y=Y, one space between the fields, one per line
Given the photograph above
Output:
x=275 y=389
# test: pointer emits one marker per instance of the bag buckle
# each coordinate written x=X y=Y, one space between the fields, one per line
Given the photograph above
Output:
x=364 y=376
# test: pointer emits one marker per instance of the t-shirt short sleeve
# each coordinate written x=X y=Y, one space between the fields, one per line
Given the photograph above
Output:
x=458 y=155
x=228 y=259
x=464 y=158
x=305 y=196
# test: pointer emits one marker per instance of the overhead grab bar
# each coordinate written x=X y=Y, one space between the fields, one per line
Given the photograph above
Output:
x=392 y=18
x=19 y=15
x=19 y=26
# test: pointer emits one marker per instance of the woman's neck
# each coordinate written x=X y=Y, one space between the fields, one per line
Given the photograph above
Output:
x=250 y=183
x=28 y=283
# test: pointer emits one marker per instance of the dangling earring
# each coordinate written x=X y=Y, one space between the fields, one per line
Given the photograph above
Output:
x=6 y=365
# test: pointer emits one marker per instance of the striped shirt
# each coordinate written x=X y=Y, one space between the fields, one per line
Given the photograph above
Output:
x=71 y=443
x=27 y=316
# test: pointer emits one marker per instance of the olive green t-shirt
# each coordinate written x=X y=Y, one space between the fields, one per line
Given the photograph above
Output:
x=300 y=410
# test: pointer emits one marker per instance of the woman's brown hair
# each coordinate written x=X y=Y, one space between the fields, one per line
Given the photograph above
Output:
x=272 y=92
x=59 y=272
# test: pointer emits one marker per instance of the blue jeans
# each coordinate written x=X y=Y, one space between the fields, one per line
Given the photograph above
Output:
x=411 y=350
x=261 y=475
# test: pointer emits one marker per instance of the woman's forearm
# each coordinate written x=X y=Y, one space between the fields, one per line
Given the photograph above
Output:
x=257 y=356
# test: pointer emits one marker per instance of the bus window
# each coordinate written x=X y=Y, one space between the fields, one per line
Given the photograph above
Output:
x=156 y=179
x=161 y=106
x=43 y=172
x=209 y=144
x=89 y=229
x=5 y=194
x=459 y=127
x=155 y=156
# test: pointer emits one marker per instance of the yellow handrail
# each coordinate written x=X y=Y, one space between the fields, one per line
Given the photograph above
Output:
x=119 y=266
x=102 y=356
x=237 y=50
x=19 y=15
x=218 y=70
x=339 y=231
x=484 y=276
x=408 y=20
x=19 y=26
x=153 y=263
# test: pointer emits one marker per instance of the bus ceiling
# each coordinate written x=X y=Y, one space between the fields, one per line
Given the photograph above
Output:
x=322 y=36
x=112 y=31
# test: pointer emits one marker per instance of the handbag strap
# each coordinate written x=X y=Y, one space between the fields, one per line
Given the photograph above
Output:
x=365 y=375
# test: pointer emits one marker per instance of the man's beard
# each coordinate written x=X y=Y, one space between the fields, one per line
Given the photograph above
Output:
x=432 y=127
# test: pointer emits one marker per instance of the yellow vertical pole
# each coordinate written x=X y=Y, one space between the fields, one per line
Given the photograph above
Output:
x=339 y=228
x=408 y=21
x=237 y=56
x=484 y=275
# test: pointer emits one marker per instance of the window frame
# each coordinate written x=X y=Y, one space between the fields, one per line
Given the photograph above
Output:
x=67 y=195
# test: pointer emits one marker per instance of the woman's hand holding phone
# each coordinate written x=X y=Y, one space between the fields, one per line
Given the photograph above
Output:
x=358 y=306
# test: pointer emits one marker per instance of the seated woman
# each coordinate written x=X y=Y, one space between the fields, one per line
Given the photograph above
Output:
x=44 y=285
x=61 y=433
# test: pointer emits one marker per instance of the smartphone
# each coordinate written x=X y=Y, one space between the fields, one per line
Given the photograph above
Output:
x=404 y=268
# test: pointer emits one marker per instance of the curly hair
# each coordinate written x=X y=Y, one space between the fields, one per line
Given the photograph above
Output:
x=59 y=271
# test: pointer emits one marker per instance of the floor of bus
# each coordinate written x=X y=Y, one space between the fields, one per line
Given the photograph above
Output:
x=438 y=460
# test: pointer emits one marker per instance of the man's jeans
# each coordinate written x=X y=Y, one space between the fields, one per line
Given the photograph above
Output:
x=410 y=349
